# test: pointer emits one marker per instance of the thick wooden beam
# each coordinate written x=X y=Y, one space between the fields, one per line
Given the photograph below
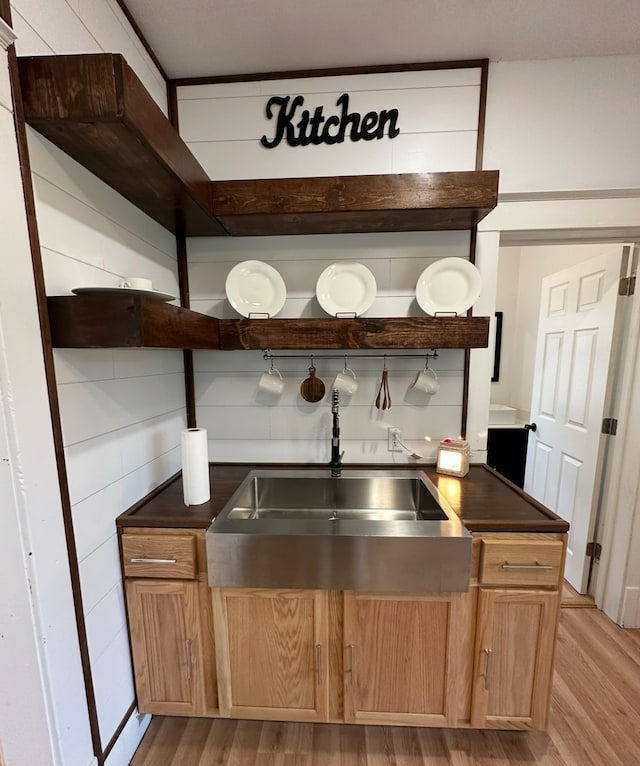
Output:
x=95 y=109
x=340 y=204
x=127 y=321
x=406 y=332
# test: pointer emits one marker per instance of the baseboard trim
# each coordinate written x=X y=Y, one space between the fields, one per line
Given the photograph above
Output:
x=631 y=608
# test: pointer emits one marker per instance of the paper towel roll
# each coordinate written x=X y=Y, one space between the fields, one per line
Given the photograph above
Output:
x=195 y=466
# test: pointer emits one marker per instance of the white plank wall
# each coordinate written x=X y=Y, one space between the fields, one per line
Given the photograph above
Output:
x=46 y=27
x=44 y=718
x=122 y=412
x=245 y=424
x=438 y=120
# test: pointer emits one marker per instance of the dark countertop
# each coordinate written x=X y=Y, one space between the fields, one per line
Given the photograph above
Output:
x=484 y=500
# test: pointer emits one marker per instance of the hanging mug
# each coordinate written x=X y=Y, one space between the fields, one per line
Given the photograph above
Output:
x=426 y=381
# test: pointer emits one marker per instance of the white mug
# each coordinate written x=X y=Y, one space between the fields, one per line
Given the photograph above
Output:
x=271 y=382
x=426 y=381
x=137 y=283
x=346 y=382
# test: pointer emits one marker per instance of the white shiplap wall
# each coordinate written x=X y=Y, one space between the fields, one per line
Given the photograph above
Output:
x=43 y=718
x=438 y=121
x=222 y=125
x=122 y=412
x=245 y=424
x=47 y=27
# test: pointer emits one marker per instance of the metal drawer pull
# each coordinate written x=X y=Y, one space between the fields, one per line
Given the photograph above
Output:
x=352 y=662
x=187 y=648
x=506 y=565
x=318 y=658
x=153 y=561
x=487 y=666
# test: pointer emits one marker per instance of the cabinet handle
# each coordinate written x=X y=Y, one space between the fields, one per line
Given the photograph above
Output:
x=487 y=666
x=318 y=660
x=153 y=561
x=352 y=662
x=506 y=565
x=187 y=652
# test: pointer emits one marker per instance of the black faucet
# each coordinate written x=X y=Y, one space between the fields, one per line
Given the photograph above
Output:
x=336 y=457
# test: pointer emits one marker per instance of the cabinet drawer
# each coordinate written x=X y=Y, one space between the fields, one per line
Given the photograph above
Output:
x=521 y=562
x=171 y=556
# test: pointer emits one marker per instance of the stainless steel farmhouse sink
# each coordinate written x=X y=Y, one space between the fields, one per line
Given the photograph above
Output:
x=365 y=530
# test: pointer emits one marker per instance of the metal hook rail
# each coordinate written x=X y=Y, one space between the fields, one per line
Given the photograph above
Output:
x=433 y=354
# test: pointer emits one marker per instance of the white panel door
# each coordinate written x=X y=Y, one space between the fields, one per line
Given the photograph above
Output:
x=575 y=330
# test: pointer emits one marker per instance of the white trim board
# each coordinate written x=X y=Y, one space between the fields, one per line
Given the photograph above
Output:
x=7 y=35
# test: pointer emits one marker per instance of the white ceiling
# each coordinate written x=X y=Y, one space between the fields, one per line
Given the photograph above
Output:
x=193 y=38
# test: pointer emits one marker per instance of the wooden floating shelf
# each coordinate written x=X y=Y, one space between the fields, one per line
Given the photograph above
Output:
x=392 y=333
x=127 y=321
x=94 y=108
x=118 y=320
x=346 y=204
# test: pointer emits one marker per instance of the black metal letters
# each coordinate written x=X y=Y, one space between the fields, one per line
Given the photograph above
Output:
x=304 y=128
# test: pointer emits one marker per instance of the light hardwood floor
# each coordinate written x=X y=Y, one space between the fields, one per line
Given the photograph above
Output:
x=569 y=597
x=595 y=721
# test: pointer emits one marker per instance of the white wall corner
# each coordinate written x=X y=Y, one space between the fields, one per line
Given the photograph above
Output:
x=631 y=608
x=481 y=366
x=7 y=35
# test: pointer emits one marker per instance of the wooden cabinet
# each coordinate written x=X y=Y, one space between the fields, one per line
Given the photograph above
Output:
x=516 y=629
x=482 y=658
x=170 y=621
x=514 y=658
x=272 y=653
x=406 y=658
x=165 y=633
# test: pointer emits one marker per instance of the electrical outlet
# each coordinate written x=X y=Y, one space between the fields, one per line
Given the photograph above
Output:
x=393 y=434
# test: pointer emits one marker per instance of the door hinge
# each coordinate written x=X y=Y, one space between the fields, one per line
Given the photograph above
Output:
x=594 y=550
x=609 y=426
x=627 y=285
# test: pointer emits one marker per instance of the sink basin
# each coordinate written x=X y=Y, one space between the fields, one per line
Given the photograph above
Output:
x=373 y=498
x=366 y=530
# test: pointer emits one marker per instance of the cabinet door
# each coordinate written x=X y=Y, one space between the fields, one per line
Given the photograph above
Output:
x=514 y=658
x=165 y=628
x=406 y=658
x=272 y=653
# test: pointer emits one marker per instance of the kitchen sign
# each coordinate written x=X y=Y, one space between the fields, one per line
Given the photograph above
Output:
x=299 y=127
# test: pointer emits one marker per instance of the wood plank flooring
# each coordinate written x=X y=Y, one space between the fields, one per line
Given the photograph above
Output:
x=569 y=597
x=595 y=721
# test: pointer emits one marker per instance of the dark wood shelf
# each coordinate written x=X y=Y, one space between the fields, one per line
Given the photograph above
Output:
x=398 y=333
x=94 y=108
x=346 y=204
x=118 y=320
x=108 y=320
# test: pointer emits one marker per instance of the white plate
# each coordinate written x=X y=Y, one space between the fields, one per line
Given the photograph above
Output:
x=156 y=294
x=346 y=288
x=448 y=286
x=254 y=287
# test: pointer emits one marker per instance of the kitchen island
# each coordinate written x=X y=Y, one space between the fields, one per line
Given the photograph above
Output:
x=482 y=658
